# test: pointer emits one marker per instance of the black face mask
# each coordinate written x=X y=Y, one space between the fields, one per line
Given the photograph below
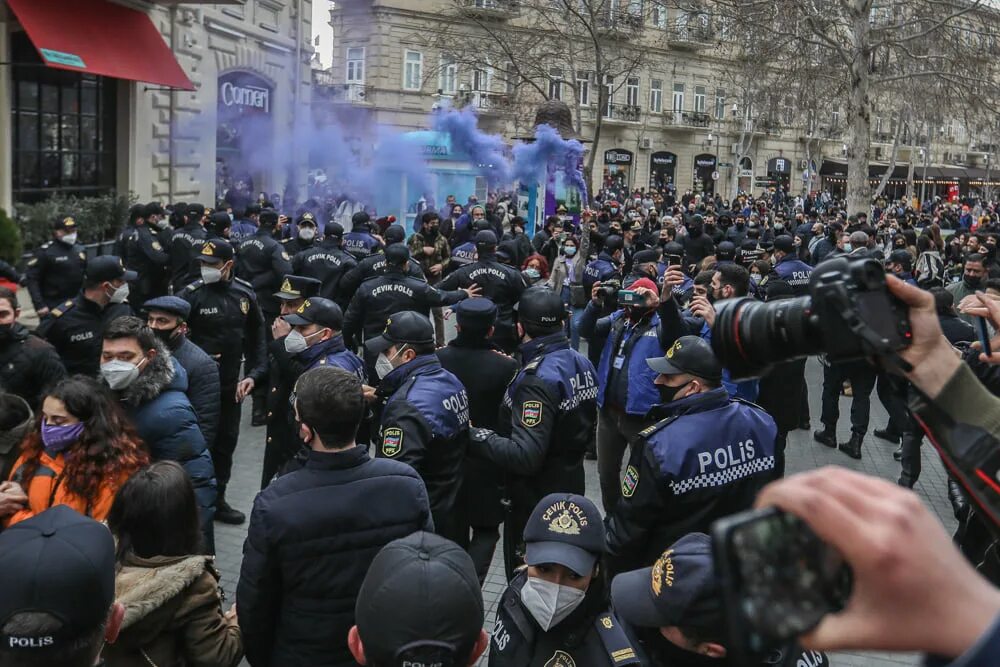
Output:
x=6 y=333
x=668 y=394
x=432 y=232
x=695 y=232
x=166 y=335
x=973 y=282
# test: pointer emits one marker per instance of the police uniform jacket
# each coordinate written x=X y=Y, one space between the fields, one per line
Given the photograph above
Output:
x=485 y=374
x=382 y=296
x=706 y=458
x=263 y=262
x=360 y=244
x=424 y=422
x=795 y=272
x=55 y=273
x=28 y=365
x=295 y=245
x=374 y=266
x=75 y=330
x=498 y=282
x=462 y=255
x=547 y=418
x=601 y=269
x=311 y=537
x=227 y=324
x=185 y=246
x=145 y=255
x=591 y=636
x=328 y=263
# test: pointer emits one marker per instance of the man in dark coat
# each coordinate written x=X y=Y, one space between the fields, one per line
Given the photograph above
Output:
x=314 y=532
x=167 y=317
x=28 y=365
x=485 y=372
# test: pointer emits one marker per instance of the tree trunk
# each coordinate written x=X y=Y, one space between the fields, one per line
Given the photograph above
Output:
x=910 y=192
x=602 y=100
x=859 y=191
x=892 y=164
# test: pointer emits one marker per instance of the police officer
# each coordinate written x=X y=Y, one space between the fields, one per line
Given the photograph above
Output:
x=76 y=326
x=706 y=457
x=391 y=293
x=556 y=611
x=675 y=608
x=146 y=256
x=314 y=340
x=360 y=241
x=463 y=254
x=423 y=412
x=219 y=226
x=227 y=323
x=305 y=236
x=375 y=264
x=246 y=226
x=485 y=372
x=185 y=246
x=55 y=270
x=547 y=416
x=262 y=261
x=788 y=267
x=499 y=283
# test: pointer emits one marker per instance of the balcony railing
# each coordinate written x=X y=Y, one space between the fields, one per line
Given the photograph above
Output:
x=627 y=113
x=492 y=9
x=490 y=102
x=687 y=118
x=689 y=37
x=620 y=22
x=349 y=93
x=883 y=138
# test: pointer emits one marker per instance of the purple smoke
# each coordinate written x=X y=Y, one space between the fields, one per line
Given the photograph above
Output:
x=550 y=150
x=485 y=151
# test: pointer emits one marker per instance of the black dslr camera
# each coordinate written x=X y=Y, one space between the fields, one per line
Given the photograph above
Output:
x=848 y=315
x=609 y=288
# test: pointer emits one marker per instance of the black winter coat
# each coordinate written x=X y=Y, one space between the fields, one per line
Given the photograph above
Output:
x=204 y=391
x=28 y=365
x=311 y=537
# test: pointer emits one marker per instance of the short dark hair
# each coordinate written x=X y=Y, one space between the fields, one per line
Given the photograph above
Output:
x=974 y=257
x=330 y=401
x=421 y=348
x=9 y=295
x=944 y=300
x=992 y=283
x=129 y=326
x=155 y=513
x=78 y=652
x=428 y=216
x=735 y=276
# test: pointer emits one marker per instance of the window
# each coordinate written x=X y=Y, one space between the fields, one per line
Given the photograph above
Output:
x=481 y=79
x=632 y=91
x=656 y=95
x=720 y=104
x=356 y=64
x=699 y=99
x=678 y=102
x=659 y=16
x=835 y=118
x=609 y=91
x=413 y=70
x=878 y=124
x=63 y=126
x=583 y=88
x=512 y=78
x=448 y=78
x=555 y=84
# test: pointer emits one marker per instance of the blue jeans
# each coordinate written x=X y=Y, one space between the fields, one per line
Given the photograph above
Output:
x=573 y=321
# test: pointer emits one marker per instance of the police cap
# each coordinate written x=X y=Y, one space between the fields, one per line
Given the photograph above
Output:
x=613 y=243
x=645 y=257
x=397 y=254
x=64 y=222
x=565 y=529
x=107 y=267
x=252 y=209
x=477 y=314
x=486 y=238
x=317 y=310
x=542 y=307
x=216 y=251
x=784 y=243
x=406 y=327
x=673 y=248
x=420 y=604
x=298 y=287
x=360 y=219
x=173 y=305
x=680 y=589
x=306 y=218
x=196 y=211
x=480 y=225
x=691 y=355
x=218 y=222
x=154 y=208
x=395 y=234
x=136 y=212
x=334 y=229
x=726 y=251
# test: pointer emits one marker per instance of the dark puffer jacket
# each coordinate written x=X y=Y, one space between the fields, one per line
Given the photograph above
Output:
x=312 y=535
x=28 y=365
x=166 y=422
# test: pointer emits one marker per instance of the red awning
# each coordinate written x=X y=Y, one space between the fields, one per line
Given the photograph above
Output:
x=99 y=37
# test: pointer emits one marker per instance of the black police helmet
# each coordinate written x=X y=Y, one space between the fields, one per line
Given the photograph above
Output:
x=541 y=311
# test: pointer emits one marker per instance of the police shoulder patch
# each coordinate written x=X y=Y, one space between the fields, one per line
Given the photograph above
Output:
x=560 y=659
x=531 y=413
x=392 y=441
x=156 y=245
x=630 y=481
x=284 y=256
x=245 y=306
x=32 y=261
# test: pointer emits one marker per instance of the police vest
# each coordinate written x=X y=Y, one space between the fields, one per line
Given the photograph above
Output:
x=360 y=244
x=439 y=398
x=464 y=254
x=796 y=273
x=642 y=343
x=597 y=271
x=565 y=370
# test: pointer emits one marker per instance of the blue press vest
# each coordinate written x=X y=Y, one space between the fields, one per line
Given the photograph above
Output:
x=641 y=393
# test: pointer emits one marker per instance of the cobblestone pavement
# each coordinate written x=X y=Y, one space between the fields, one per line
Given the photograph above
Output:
x=802 y=454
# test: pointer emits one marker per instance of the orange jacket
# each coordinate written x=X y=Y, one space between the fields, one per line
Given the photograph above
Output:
x=46 y=489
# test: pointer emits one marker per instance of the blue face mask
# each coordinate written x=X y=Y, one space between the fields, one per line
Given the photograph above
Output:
x=569 y=251
x=847 y=247
x=532 y=273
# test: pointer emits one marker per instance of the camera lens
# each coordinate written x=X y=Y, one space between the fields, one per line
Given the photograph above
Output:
x=749 y=336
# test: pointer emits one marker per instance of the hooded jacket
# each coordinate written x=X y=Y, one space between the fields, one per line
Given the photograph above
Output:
x=28 y=364
x=173 y=615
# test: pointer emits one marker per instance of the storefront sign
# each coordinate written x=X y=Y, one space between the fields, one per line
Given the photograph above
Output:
x=245 y=92
x=617 y=156
x=62 y=58
x=663 y=159
x=779 y=165
x=705 y=161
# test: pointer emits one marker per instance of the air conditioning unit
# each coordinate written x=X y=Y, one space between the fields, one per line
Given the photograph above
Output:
x=946 y=157
x=735 y=149
x=803 y=164
x=645 y=143
x=963 y=158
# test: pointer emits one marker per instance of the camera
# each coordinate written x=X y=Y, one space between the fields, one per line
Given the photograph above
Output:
x=609 y=288
x=849 y=314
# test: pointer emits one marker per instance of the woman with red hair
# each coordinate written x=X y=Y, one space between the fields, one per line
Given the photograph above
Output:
x=535 y=269
x=80 y=454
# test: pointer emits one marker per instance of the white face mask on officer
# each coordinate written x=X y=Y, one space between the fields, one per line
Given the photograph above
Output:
x=118 y=294
x=383 y=366
x=69 y=239
x=211 y=274
x=550 y=603
x=296 y=341
x=307 y=233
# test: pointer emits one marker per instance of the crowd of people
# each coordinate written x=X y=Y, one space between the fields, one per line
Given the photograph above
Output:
x=397 y=455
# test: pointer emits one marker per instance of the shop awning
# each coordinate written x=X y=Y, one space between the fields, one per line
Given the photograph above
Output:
x=832 y=168
x=99 y=37
x=878 y=170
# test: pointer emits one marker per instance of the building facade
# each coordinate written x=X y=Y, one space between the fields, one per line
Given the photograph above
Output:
x=85 y=119
x=673 y=120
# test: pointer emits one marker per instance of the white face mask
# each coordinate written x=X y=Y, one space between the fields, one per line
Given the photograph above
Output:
x=383 y=365
x=119 y=294
x=550 y=603
x=120 y=374
x=163 y=223
x=307 y=233
x=296 y=342
x=69 y=239
x=210 y=274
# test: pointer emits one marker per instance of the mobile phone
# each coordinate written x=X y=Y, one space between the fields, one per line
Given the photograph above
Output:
x=627 y=297
x=778 y=579
x=984 y=335
x=674 y=260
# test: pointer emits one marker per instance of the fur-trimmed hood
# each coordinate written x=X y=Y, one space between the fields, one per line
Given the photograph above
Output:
x=159 y=375
x=144 y=585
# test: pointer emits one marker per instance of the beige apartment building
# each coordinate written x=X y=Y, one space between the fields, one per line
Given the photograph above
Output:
x=170 y=101
x=673 y=121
